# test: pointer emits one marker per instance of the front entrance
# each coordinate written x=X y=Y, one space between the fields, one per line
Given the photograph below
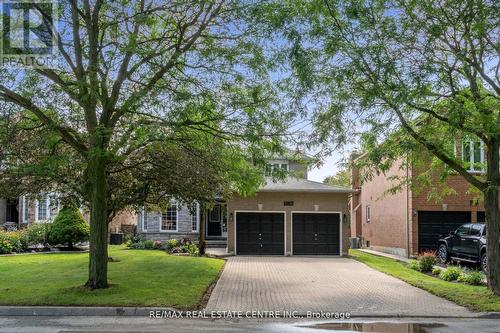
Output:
x=217 y=220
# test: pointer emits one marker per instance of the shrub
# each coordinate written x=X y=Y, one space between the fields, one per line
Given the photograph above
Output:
x=5 y=246
x=176 y=249
x=427 y=260
x=131 y=238
x=186 y=241
x=474 y=278
x=137 y=246
x=436 y=270
x=13 y=241
x=451 y=273
x=171 y=244
x=38 y=233
x=149 y=244
x=69 y=227
x=193 y=250
x=414 y=264
x=158 y=245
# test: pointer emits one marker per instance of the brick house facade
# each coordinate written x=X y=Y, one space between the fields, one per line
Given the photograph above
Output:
x=407 y=222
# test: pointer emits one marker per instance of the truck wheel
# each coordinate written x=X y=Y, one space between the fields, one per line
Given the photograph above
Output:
x=442 y=254
x=484 y=262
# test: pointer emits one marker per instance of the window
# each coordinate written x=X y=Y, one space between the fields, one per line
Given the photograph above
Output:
x=42 y=208
x=195 y=216
x=368 y=214
x=169 y=219
x=463 y=230
x=46 y=207
x=475 y=230
x=144 y=221
x=25 y=210
x=276 y=166
x=473 y=155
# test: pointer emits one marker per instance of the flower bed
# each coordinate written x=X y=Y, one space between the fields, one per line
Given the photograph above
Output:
x=172 y=246
x=426 y=263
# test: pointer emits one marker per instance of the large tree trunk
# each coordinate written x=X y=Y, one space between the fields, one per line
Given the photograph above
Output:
x=98 y=254
x=493 y=217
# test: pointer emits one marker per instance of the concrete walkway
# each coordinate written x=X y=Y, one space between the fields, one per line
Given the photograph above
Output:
x=387 y=255
x=328 y=284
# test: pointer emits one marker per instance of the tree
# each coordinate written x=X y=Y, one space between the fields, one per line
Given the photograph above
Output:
x=145 y=93
x=69 y=227
x=428 y=69
x=341 y=178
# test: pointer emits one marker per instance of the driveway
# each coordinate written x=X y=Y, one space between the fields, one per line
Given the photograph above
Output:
x=329 y=284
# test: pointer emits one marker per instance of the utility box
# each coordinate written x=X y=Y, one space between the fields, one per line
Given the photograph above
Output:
x=115 y=239
x=354 y=242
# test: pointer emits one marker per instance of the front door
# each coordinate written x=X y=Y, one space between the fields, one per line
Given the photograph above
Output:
x=217 y=221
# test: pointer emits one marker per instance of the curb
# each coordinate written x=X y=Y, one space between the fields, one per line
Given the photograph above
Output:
x=69 y=311
x=82 y=311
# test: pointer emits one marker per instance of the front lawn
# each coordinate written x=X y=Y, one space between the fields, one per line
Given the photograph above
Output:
x=139 y=278
x=478 y=298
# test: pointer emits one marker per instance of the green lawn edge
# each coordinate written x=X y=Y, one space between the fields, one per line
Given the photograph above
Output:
x=476 y=298
x=138 y=278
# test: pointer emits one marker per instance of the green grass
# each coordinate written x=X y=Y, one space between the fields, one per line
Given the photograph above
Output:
x=140 y=278
x=478 y=298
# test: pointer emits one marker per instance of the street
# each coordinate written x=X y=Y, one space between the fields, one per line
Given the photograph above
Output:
x=39 y=324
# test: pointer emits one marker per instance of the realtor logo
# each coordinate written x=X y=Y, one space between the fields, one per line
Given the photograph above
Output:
x=28 y=33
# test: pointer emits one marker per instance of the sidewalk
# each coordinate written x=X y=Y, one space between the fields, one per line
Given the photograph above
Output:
x=387 y=255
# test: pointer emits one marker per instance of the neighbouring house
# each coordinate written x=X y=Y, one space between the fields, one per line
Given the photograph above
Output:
x=408 y=222
x=26 y=210
x=292 y=217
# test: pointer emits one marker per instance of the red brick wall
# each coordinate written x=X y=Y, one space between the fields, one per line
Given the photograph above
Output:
x=463 y=200
x=387 y=226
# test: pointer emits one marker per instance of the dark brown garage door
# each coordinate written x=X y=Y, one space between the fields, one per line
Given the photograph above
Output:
x=433 y=224
x=315 y=233
x=260 y=233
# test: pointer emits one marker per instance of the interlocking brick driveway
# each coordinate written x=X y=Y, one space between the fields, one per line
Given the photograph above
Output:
x=327 y=284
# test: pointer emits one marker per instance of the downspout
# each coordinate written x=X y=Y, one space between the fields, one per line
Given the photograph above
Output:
x=407 y=210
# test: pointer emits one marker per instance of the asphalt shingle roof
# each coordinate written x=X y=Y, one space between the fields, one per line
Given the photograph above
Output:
x=302 y=185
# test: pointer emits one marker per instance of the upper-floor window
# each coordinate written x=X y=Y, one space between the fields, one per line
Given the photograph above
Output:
x=169 y=218
x=368 y=214
x=473 y=155
x=274 y=167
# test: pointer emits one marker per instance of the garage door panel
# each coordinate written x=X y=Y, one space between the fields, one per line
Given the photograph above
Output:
x=249 y=248
x=432 y=224
x=316 y=233
x=260 y=233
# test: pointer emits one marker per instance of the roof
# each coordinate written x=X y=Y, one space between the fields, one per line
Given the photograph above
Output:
x=303 y=185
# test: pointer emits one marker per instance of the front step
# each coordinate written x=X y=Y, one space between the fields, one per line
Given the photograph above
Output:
x=216 y=243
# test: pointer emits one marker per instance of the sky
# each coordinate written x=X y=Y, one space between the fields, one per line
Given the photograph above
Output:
x=330 y=167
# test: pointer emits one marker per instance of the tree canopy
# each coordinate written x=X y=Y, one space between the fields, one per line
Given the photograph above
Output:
x=148 y=100
x=422 y=74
